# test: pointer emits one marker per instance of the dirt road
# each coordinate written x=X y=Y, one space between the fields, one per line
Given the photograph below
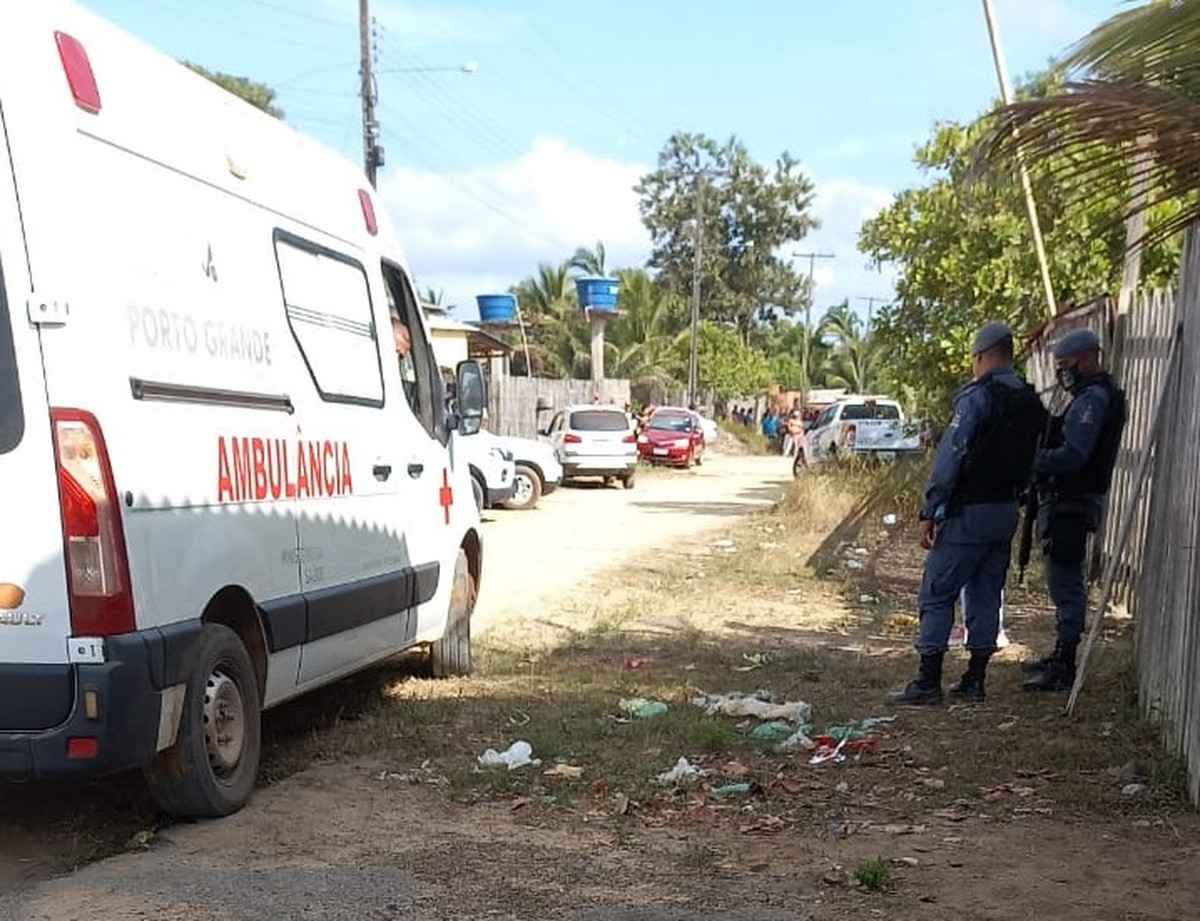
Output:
x=350 y=839
x=535 y=560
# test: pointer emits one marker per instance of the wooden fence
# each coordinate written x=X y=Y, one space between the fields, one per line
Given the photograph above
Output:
x=1136 y=348
x=512 y=401
x=1168 y=641
x=1159 y=570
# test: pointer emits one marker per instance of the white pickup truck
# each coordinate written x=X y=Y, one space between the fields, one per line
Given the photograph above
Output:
x=859 y=426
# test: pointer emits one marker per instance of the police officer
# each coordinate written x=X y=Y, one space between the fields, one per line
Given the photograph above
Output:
x=970 y=514
x=1074 y=472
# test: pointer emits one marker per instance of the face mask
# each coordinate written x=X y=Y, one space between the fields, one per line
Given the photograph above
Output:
x=1069 y=378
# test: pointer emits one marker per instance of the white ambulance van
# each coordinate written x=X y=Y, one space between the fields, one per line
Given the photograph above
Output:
x=222 y=487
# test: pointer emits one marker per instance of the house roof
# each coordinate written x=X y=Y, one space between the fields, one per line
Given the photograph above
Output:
x=480 y=344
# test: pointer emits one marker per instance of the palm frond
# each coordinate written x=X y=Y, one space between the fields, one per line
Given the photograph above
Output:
x=1155 y=42
x=1084 y=139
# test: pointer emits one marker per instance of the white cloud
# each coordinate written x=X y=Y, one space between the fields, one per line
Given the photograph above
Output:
x=484 y=230
x=842 y=206
x=470 y=233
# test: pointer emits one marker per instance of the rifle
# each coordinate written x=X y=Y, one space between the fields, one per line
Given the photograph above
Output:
x=1029 y=504
x=1030 y=510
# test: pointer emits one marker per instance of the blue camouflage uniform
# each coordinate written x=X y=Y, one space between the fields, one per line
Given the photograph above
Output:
x=1082 y=424
x=973 y=542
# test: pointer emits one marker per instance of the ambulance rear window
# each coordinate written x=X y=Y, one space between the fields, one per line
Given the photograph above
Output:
x=12 y=416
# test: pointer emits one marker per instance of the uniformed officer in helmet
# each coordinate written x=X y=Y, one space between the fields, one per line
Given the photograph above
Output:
x=1074 y=472
x=970 y=513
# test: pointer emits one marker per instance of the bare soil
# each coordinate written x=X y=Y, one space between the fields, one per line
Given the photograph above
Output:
x=373 y=805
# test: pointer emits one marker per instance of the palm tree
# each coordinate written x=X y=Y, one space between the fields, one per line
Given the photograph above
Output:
x=589 y=261
x=558 y=339
x=433 y=298
x=639 y=342
x=1132 y=88
x=854 y=358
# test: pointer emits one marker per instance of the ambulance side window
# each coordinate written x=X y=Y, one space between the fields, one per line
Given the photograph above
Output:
x=12 y=413
x=419 y=377
x=328 y=304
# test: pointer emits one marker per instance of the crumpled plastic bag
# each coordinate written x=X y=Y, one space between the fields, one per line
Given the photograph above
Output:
x=737 y=704
x=683 y=770
x=517 y=755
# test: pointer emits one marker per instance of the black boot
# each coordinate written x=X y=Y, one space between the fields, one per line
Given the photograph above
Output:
x=970 y=686
x=926 y=690
x=1037 y=666
x=1059 y=675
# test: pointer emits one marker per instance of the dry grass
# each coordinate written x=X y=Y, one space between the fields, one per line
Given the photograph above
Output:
x=774 y=590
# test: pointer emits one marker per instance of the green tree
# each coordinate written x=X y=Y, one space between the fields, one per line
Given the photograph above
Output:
x=1133 y=87
x=749 y=212
x=258 y=95
x=727 y=366
x=964 y=255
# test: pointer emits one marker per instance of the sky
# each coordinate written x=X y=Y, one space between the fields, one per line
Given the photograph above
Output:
x=536 y=152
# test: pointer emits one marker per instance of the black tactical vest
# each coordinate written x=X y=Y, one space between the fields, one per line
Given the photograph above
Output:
x=1000 y=458
x=1095 y=476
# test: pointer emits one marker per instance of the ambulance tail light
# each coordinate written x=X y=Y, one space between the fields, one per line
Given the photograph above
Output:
x=93 y=537
x=851 y=435
x=572 y=439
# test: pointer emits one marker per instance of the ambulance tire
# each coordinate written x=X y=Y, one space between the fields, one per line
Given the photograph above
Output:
x=479 y=493
x=450 y=656
x=200 y=776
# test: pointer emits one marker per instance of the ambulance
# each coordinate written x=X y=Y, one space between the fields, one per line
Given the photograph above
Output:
x=224 y=484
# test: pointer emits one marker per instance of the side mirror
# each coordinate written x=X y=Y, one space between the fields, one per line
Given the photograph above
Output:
x=471 y=389
x=543 y=405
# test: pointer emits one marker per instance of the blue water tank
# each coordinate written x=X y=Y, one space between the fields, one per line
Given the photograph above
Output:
x=498 y=309
x=598 y=294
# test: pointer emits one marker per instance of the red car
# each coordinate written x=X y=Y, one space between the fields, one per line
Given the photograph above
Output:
x=672 y=436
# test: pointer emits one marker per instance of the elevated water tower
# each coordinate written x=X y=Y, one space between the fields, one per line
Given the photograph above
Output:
x=598 y=298
x=500 y=310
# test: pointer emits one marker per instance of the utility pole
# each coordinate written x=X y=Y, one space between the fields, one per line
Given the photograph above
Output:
x=871 y=308
x=1030 y=205
x=806 y=357
x=698 y=239
x=372 y=152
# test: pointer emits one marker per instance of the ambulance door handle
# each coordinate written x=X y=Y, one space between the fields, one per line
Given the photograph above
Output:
x=382 y=471
x=415 y=469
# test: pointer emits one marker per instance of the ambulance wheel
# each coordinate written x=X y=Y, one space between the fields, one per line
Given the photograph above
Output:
x=479 y=494
x=451 y=655
x=527 y=488
x=628 y=480
x=211 y=769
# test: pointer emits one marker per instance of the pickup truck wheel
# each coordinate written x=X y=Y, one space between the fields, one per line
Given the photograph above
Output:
x=211 y=769
x=628 y=480
x=478 y=492
x=527 y=488
x=451 y=655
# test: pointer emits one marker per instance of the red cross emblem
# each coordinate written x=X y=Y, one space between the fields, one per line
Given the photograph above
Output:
x=446 y=494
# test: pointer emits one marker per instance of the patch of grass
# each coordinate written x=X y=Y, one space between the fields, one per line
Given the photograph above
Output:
x=750 y=437
x=874 y=875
